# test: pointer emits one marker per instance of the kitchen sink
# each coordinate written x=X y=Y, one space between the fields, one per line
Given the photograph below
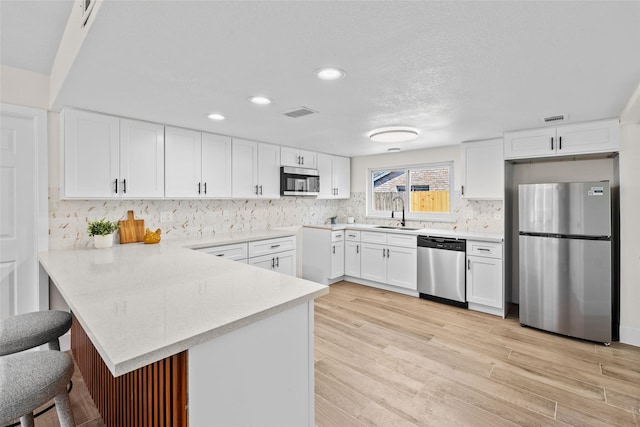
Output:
x=391 y=227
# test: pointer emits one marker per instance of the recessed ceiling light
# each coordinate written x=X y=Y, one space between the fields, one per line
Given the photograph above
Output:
x=216 y=116
x=260 y=100
x=329 y=73
x=393 y=134
x=393 y=149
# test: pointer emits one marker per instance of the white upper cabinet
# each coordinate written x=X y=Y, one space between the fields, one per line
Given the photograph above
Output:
x=298 y=158
x=216 y=166
x=106 y=157
x=256 y=170
x=141 y=159
x=91 y=155
x=183 y=171
x=335 y=177
x=198 y=164
x=584 y=138
x=482 y=170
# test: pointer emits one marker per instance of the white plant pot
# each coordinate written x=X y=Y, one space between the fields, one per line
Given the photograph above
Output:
x=101 y=242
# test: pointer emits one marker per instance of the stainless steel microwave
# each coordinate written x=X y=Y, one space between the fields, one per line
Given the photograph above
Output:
x=299 y=181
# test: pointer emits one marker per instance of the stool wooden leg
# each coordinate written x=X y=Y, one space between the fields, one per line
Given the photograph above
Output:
x=27 y=420
x=63 y=407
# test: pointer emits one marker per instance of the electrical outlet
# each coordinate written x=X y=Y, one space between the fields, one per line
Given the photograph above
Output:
x=166 y=216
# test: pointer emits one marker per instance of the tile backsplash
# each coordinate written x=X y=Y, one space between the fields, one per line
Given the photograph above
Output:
x=200 y=218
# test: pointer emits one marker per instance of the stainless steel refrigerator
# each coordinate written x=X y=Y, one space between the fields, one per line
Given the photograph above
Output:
x=565 y=260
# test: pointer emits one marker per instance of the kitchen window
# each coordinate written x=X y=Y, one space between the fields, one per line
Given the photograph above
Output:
x=425 y=191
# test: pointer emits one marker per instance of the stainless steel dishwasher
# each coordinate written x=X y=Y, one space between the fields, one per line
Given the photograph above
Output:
x=441 y=270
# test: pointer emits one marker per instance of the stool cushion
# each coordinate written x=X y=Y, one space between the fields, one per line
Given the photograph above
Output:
x=29 y=380
x=24 y=331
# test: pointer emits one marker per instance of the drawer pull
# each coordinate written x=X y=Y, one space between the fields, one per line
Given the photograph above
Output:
x=352 y=235
x=275 y=246
x=484 y=249
x=220 y=255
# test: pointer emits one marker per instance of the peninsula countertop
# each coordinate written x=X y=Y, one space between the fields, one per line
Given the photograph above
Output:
x=142 y=303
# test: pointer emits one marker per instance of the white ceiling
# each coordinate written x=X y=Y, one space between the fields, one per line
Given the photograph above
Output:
x=455 y=70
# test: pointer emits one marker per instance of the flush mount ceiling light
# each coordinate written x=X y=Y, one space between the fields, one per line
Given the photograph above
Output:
x=393 y=134
x=329 y=73
x=260 y=100
x=216 y=116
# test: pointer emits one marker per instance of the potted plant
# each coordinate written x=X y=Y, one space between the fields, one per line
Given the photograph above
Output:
x=102 y=231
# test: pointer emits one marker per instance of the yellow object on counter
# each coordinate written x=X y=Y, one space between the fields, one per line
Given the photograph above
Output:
x=151 y=237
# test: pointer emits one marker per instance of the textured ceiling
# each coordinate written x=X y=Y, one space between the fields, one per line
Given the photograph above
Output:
x=455 y=70
x=31 y=32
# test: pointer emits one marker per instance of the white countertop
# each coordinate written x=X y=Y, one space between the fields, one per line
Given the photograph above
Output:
x=469 y=235
x=229 y=238
x=142 y=303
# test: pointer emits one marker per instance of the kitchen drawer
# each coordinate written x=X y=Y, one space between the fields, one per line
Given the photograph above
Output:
x=337 y=236
x=404 y=240
x=271 y=246
x=485 y=249
x=352 y=236
x=234 y=252
x=373 y=237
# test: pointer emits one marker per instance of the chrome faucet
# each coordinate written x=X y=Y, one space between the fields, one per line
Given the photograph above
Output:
x=402 y=200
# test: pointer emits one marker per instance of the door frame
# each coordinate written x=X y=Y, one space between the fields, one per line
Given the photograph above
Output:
x=38 y=118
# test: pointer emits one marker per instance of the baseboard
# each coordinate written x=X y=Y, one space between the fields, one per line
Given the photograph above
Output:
x=629 y=335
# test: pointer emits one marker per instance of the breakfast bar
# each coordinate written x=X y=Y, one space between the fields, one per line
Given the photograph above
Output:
x=237 y=339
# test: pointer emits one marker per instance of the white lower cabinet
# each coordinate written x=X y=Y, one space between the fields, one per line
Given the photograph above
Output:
x=393 y=262
x=281 y=262
x=323 y=255
x=352 y=250
x=278 y=254
x=485 y=287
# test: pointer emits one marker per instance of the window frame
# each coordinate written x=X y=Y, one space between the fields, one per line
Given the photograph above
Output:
x=414 y=216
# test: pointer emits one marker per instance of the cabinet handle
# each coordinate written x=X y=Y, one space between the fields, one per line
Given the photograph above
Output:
x=275 y=246
x=205 y=188
x=198 y=188
x=357 y=249
x=220 y=255
x=302 y=157
x=468 y=264
x=484 y=249
x=551 y=143
x=261 y=190
x=299 y=160
x=334 y=249
x=273 y=263
x=352 y=235
x=116 y=180
x=560 y=143
x=124 y=186
x=277 y=261
x=383 y=255
x=387 y=253
x=463 y=190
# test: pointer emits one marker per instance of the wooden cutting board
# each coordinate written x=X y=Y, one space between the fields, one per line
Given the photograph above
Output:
x=131 y=230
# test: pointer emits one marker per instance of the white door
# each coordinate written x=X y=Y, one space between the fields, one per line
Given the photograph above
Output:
x=216 y=165
x=183 y=167
x=23 y=209
x=530 y=143
x=352 y=259
x=141 y=160
x=589 y=137
x=484 y=281
x=268 y=262
x=309 y=159
x=244 y=169
x=269 y=171
x=289 y=157
x=337 y=259
x=91 y=158
x=373 y=262
x=402 y=267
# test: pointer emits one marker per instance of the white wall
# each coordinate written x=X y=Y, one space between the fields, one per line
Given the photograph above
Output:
x=24 y=88
x=630 y=232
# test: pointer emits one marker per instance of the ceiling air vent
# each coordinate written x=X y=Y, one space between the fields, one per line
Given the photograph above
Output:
x=299 y=112
x=556 y=118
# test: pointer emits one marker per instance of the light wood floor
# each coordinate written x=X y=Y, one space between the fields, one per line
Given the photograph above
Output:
x=384 y=359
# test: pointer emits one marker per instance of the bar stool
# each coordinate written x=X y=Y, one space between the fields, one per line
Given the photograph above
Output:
x=25 y=331
x=28 y=380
